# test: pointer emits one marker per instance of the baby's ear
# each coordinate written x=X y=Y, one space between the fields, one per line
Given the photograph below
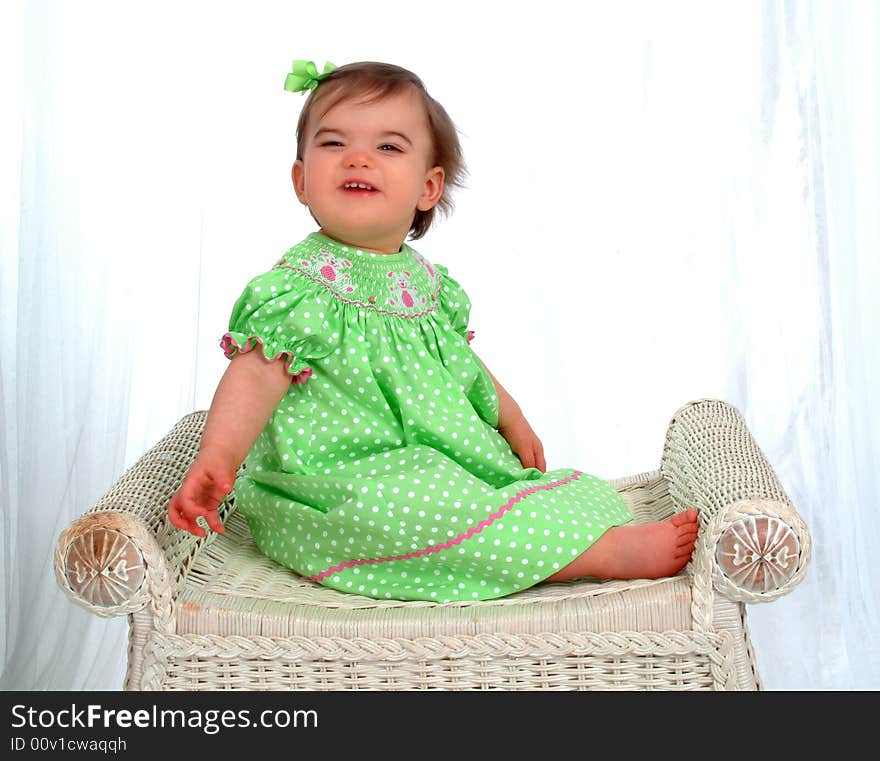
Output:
x=298 y=175
x=433 y=188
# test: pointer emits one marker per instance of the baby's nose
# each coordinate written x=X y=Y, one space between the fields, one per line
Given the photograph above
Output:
x=357 y=157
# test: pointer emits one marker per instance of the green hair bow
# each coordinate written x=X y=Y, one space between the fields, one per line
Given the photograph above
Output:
x=304 y=76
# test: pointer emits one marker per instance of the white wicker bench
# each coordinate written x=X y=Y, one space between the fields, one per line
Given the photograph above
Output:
x=212 y=613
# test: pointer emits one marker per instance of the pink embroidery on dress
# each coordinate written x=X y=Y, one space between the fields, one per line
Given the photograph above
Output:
x=452 y=542
x=403 y=290
x=370 y=304
x=429 y=268
x=329 y=269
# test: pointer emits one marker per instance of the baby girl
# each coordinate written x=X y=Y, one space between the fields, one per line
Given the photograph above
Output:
x=381 y=456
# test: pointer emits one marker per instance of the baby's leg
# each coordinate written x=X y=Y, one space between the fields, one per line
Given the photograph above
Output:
x=637 y=551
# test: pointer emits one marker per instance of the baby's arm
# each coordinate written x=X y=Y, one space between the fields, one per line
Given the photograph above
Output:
x=512 y=424
x=248 y=393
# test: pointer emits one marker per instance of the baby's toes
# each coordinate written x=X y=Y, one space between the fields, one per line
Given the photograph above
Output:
x=684 y=552
x=688 y=532
x=687 y=518
x=684 y=539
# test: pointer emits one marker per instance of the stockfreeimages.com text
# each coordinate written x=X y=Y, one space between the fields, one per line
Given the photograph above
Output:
x=210 y=721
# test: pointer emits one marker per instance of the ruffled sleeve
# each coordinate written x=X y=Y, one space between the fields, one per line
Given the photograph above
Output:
x=284 y=315
x=455 y=303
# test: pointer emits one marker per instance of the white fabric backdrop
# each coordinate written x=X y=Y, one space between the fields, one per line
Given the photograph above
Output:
x=667 y=201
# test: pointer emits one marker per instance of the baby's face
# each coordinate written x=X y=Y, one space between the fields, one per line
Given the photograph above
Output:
x=385 y=145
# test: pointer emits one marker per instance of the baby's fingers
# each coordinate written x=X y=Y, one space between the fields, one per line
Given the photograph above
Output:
x=540 y=462
x=527 y=457
x=173 y=515
x=176 y=514
x=214 y=522
x=533 y=455
x=191 y=525
x=183 y=513
x=218 y=492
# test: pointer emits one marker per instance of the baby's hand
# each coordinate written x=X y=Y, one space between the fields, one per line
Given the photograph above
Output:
x=524 y=442
x=203 y=489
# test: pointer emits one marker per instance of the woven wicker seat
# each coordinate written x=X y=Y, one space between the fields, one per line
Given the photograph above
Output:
x=212 y=613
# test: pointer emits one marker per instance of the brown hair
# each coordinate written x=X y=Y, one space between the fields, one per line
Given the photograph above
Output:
x=375 y=81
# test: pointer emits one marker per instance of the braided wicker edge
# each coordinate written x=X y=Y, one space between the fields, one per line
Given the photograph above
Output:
x=373 y=653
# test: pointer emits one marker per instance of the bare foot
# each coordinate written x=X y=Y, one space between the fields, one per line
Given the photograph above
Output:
x=637 y=551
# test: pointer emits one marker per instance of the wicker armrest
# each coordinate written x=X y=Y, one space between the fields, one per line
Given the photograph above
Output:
x=752 y=541
x=123 y=553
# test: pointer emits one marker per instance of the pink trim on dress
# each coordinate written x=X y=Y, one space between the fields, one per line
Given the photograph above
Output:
x=470 y=336
x=231 y=347
x=452 y=542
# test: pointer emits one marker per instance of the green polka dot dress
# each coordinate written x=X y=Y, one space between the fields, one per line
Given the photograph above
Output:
x=381 y=472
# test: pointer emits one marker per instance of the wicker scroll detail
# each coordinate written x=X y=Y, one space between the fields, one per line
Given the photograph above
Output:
x=712 y=462
x=105 y=568
x=89 y=567
x=758 y=553
x=774 y=569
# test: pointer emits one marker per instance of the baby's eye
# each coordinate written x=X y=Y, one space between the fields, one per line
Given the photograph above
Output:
x=330 y=142
x=388 y=145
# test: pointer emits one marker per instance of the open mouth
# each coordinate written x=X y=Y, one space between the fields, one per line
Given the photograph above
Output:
x=359 y=188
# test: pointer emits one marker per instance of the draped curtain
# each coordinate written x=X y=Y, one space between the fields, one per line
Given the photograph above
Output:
x=666 y=202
